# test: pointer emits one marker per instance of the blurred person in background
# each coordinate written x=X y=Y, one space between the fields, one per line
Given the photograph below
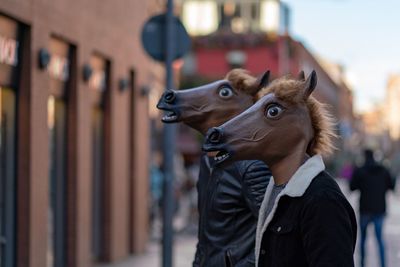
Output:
x=373 y=180
x=156 y=197
x=156 y=184
x=346 y=171
x=192 y=172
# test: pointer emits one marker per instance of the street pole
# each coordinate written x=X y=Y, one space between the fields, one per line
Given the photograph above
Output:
x=168 y=148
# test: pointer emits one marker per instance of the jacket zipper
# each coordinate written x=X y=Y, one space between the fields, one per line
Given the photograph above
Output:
x=204 y=208
x=228 y=259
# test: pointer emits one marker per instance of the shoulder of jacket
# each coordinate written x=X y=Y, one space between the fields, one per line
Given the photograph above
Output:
x=257 y=178
x=250 y=165
x=323 y=186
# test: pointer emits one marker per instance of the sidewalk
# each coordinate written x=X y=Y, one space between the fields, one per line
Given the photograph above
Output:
x=185 y=244
x=184 y=253
x=391 y=230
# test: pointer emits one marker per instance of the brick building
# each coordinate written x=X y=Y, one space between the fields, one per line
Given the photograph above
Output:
x=74 y=131
x=393 y=106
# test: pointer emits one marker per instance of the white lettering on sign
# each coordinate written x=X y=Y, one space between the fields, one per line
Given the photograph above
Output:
x=8 y=51
x=98 y=80
x=59 y=68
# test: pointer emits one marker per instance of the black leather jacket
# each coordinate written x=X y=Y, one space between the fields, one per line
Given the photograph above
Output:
x=229 y=201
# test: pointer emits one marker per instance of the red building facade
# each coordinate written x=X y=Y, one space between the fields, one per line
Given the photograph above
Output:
x=214 y=55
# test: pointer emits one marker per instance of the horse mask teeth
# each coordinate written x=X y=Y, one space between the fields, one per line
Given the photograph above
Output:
x=170 y=116
x=221 y=155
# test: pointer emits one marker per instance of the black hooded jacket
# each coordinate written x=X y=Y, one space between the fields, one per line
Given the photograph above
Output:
x=311 y=224
x=229 y=199
x=373 y=180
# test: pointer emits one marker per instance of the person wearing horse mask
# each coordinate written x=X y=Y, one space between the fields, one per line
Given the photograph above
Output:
x=229 y=198
x=305 y=220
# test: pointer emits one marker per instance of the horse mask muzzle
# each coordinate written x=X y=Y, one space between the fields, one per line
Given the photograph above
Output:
x=168 y=103
x=214 y=142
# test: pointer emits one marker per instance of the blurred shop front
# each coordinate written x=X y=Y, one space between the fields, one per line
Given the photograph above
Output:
x=74 y=132
x=10 y=47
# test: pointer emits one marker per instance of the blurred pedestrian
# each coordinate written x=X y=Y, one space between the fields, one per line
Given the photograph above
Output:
x=373 y=181
x=347 y=171
x=156 y=184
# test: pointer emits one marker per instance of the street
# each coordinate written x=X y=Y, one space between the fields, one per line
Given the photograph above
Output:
x=185 y=244
x=391 y=231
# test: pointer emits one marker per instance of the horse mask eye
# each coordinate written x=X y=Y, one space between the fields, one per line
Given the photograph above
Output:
x=225 y=92
x=273 y=111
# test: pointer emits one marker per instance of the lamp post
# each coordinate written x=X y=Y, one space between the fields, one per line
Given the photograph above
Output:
x=165 y=39
x=168 y=147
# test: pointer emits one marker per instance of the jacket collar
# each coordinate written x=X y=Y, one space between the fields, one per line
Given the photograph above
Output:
x=303 y=177
x=296 y=187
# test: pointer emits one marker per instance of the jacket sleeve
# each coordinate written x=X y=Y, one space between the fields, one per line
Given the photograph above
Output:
x=355 y=180
x=329 y=231
x=390 y=181
x=196 y=261
x=255 y=179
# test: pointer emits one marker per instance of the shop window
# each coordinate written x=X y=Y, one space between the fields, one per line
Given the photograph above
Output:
x=98 y=84
x=58 y=70
x=57 y=183
x=7 y=176
x=98 y=180
x=10 y=48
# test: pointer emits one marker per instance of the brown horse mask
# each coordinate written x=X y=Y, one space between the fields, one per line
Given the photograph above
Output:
x=285 y=120
x=212 y=104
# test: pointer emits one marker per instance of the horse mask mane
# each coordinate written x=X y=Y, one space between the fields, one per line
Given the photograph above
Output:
x=242 y=80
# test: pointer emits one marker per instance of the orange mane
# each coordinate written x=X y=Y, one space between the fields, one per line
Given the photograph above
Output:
x=242 y=80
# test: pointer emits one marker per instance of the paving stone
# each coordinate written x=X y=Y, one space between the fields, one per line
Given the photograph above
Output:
x=185 y=244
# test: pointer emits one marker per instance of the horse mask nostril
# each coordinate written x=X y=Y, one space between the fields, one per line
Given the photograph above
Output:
x=169 y=96
x=215 y=136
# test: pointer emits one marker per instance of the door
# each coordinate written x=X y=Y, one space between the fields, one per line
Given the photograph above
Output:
x=98 y=179
x=57 y=183
x=98 y=84
x=59 y=70
x=7 y=177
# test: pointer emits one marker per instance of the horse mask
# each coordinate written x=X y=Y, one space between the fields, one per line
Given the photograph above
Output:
x=284 y=120
x=212 y=104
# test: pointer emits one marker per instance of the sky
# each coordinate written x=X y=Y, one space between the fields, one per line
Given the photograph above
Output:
x=362 y=35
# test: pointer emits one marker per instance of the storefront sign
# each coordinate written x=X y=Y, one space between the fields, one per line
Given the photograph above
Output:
x=58 y=68
x=8 y=51
x=98 y=80
x=10 y=47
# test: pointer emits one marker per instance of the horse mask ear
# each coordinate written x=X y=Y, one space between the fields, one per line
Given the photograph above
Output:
x=301 y=76
x=310 y=84
x=261 y=82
